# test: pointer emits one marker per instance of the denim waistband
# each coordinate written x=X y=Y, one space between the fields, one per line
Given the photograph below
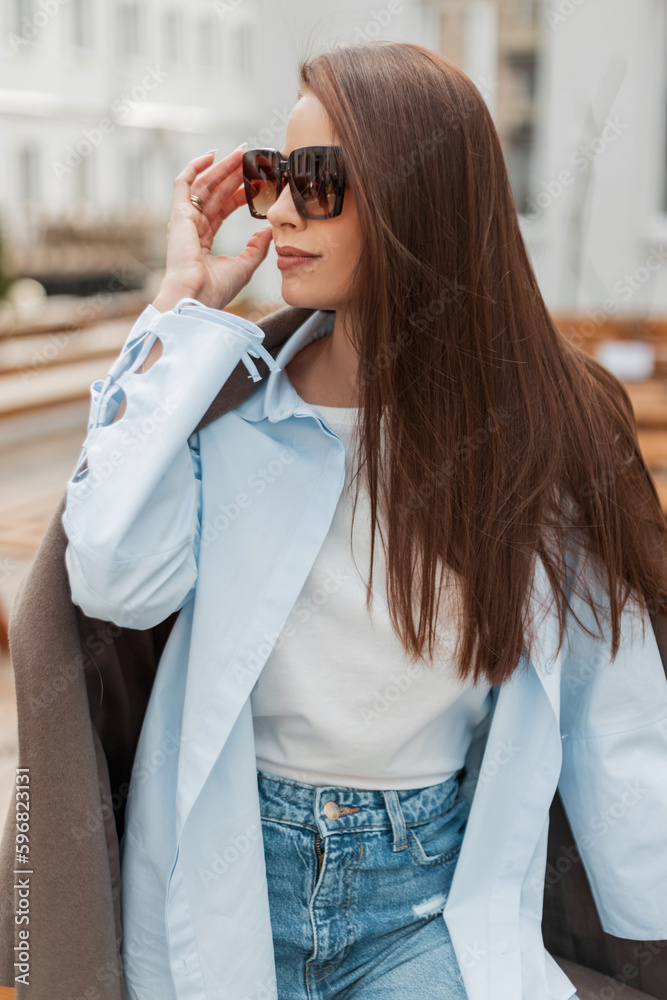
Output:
x=336 y=808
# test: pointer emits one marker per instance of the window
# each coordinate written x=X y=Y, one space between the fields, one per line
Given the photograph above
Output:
x=28 y=171
x=128 y=20
x=22 y=12
x=81 y=34
x=172 y=37
x=498 y=43
x=528 y=11
x=81 y=178
x=135 y=179
x=242 y=48
x=209 y=45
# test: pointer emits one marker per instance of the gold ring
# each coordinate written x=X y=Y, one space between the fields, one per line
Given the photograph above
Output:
x=197 y=202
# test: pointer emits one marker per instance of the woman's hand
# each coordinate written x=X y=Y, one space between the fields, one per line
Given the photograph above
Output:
x=192 y=271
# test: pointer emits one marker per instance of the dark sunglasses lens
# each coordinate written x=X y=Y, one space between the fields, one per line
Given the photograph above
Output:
x=316 y=178
x=260 y=178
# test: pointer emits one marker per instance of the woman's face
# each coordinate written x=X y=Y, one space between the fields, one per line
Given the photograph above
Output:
x=323 y=282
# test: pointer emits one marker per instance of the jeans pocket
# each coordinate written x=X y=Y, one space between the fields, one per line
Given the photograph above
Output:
x=437 y=840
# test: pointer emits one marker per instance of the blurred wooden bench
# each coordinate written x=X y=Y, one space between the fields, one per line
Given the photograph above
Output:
x=21 y=531
x=649 y=397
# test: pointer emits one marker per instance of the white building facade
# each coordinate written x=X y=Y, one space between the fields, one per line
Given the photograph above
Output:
x=102 y=102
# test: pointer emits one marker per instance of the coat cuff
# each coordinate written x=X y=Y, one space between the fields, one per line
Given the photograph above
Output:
x=107 y=394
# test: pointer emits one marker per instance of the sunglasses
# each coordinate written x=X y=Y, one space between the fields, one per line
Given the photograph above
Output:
x=315 y=174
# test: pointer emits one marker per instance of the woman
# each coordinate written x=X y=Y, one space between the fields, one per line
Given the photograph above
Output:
x=478 y=439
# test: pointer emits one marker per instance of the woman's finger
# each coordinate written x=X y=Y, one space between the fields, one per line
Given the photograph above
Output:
x=256 y=248
x=222 y=194
x=220 y=170
x=188 y=227
x=214 y=198
x=228 y=206
x=183 y=182
x=224 y=174
x=235 y=272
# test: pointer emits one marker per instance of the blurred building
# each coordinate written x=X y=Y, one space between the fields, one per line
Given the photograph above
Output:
x=578 y=90
x=101 y=105
x=102 y=102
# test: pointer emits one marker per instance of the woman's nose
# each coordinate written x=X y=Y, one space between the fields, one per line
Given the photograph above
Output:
x=284 y=209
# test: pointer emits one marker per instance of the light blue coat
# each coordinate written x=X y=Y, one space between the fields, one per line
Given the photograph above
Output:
x=225 y=524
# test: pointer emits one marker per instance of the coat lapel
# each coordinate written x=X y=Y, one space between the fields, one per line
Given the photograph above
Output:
x=277 y=327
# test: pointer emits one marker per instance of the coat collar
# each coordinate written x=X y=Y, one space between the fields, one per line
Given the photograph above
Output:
x=277 y=398
x=277 y=327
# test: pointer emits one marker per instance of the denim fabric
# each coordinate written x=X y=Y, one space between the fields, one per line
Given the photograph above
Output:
x=356 y=901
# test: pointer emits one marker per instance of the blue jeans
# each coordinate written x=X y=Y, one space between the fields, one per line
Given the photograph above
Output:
x=357 y=883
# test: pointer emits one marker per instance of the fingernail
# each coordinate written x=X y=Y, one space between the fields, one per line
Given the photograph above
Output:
x=244 y=145
x=210 y=151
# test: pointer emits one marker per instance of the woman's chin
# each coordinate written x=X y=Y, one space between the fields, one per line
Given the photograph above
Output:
x=302 y=297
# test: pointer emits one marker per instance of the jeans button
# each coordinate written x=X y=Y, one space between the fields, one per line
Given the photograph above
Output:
x=331 y=809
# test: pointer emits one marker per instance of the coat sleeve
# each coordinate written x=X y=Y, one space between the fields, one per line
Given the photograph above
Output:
x=613 y=780
x=133 y=504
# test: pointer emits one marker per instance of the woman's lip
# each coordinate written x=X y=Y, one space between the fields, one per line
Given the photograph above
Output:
x=286 y=261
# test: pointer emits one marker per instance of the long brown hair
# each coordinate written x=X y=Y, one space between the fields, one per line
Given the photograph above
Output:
x=504 y=441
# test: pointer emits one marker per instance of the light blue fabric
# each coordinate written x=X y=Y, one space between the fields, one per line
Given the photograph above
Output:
x=225 y=524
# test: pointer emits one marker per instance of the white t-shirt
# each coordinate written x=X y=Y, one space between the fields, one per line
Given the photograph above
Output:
x=338 y=701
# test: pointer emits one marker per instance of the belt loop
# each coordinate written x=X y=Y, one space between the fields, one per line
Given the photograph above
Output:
x=400 y=840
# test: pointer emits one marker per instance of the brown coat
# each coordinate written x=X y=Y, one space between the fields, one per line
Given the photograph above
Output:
x=79 y=746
